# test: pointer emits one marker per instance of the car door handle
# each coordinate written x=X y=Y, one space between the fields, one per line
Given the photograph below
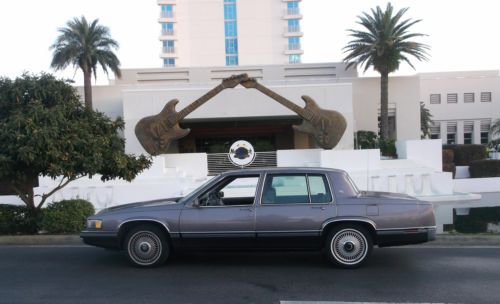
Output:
x=318 y=207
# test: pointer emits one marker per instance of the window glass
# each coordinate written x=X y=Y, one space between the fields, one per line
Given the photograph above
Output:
x=342 y=186
x=293 y=22
x=292 y=5
x=285 y=189
x=232 y=191
x=166 y=7
x=231 y=60
x=231 y=46
x=295 y=58
x=318 y=186
x=230 y=11
x=168 y=62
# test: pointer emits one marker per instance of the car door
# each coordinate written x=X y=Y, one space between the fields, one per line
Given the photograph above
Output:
x=292 y=209
x=224 y=215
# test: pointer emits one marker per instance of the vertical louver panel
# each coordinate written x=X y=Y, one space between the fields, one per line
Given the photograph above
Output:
x=219 y=162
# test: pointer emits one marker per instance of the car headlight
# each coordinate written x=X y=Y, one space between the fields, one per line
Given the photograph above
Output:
x=94 y=224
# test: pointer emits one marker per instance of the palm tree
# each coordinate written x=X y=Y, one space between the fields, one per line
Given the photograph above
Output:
x=84 y=46
x=495 y=127
x=383 y=44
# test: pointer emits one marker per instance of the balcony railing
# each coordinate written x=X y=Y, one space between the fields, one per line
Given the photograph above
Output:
x=293 y=29
x=292 y=11
x=166 y=14
x=293 y=47
x=168 y=49
x=167 y=32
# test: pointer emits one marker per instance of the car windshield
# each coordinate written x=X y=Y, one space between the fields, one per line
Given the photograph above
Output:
x=192 y=193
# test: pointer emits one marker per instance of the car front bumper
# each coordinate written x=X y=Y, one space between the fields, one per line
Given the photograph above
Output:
x=409 y=236
x=101 y=239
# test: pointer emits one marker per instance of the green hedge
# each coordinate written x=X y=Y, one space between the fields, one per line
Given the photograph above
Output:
x=448 y=156
x=66 y=216
x=485 y=168
x=464 y=155
x=13 y=220
x=477 y=220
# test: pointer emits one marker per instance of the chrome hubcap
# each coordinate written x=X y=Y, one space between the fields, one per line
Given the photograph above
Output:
x=145 y=248
x=349 y=246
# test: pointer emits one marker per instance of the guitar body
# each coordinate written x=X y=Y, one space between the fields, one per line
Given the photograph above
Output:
x=156 y=133
x=327 y=126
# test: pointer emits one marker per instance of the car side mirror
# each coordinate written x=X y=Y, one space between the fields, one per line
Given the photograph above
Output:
x=221 y=194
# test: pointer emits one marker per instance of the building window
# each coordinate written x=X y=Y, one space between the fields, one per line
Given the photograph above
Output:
x=468 y=132
x=452 y=98
x=485 y=96
x=169 y=62
x=485 y=131
x=295 y=58
x=167 y=11
x=231 y=46
x=231 y=60
x=230 y=32
x=435 y=98
x=435 y=130
x=293 y=43
x=293 y=26
x=167 y=28
x=468 y=97
x=451 y=135
x=292 y=8
x=168 y=46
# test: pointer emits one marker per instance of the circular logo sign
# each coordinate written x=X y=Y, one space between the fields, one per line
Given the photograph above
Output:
x=241 y=153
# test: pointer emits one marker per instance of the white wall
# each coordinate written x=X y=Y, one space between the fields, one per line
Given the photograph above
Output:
x=235 y=103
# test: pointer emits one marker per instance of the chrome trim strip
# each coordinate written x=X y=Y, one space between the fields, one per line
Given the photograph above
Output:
x=257 y=232
x=407 y=228
x=144 y=220
x=349 y=219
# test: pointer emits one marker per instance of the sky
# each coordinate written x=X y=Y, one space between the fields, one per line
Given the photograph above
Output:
x=462 y=34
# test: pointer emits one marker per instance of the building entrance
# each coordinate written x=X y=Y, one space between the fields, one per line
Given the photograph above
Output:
x=265 y=134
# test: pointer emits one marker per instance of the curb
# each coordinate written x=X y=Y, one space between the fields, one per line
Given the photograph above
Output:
x=447 y=240
x=41 y=240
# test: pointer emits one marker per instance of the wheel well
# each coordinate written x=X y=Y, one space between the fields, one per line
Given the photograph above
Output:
x=365 y=225
x=125 y=228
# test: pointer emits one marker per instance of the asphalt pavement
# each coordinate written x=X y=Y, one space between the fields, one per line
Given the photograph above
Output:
x=81 y=274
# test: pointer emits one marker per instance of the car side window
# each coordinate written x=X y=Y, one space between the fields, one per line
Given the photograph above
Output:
x=232 y=191
x=285 y=189
x=320 y=192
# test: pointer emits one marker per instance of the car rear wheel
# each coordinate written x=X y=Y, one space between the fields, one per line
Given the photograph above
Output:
x=147 y=246
x=348 y=245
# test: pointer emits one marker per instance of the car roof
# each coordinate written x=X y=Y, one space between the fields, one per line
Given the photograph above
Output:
x=280 y=170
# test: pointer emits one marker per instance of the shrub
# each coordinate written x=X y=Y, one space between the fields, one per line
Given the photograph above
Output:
x=388 y=148
x=66 y=216
x=485 y=168
x=448 y=156
x=464 y=155
x=366 y=140
x=477 y=220
x=14 y=220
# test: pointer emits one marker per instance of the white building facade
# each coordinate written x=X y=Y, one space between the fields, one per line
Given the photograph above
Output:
x=463 y=105
x=202 y=33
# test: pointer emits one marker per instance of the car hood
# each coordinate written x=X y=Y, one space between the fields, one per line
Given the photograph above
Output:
x=141 y=205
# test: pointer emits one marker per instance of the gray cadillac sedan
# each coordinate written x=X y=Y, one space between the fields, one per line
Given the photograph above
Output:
x=266 y=209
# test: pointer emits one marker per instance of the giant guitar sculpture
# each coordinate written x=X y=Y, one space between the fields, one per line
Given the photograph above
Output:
x=327 y=126
x=156 y=133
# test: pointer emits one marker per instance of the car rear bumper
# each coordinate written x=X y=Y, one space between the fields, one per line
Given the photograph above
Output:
x=101 y=239
x=405 y=236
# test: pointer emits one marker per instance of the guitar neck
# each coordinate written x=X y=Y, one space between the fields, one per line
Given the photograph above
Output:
x=282 y=100
x=200 y=101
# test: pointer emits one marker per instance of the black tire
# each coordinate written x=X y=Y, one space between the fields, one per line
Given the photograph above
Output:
x=348 y=246
x=147 y=246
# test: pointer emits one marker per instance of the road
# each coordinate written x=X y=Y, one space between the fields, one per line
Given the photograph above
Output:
x=80 y=274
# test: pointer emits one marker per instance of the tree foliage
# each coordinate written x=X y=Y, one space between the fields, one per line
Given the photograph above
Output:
x=425 y=121
x=383 y=43
x=45 y=131
x=85 y=45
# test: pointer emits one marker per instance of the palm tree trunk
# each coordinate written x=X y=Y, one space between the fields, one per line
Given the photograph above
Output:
x=384 y=105
x=87 y=87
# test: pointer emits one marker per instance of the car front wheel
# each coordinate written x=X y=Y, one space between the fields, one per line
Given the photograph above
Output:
x=348 y=245
x=147 y=246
